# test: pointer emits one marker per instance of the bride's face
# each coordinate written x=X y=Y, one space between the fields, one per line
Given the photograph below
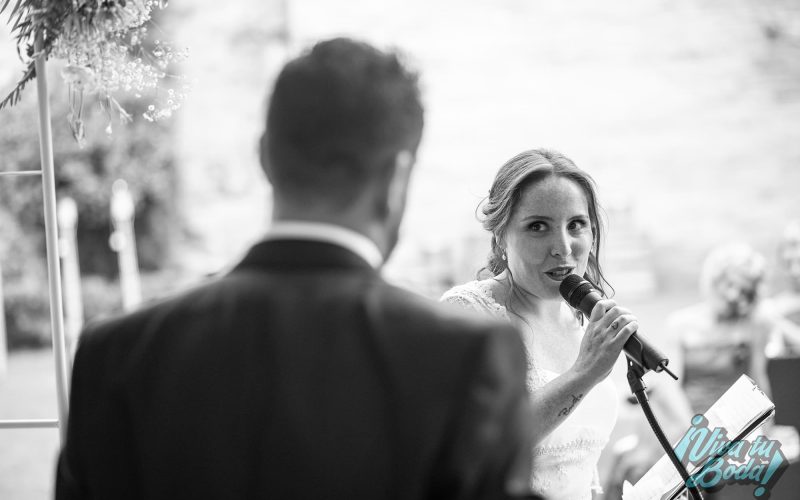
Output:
x=549 y=236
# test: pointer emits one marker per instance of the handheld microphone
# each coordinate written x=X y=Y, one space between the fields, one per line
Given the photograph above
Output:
x=581 y=295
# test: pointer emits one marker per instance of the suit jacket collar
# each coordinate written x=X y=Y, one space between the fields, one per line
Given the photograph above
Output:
x=330 y=233
x=288 y=254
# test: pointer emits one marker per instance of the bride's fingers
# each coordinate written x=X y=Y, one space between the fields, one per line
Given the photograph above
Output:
x=620 y=321
x=600 y=309
x=626 y=331
x=612 y=317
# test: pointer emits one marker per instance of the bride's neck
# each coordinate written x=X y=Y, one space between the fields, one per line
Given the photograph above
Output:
x=525 y=303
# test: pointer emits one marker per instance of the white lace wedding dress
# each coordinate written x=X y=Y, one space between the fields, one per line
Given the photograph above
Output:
x=565 y=462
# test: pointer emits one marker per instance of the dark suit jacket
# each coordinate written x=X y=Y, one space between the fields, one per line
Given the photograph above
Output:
x=299 y=374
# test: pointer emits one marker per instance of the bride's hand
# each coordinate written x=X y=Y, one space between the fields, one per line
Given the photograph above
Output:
x=609 y=328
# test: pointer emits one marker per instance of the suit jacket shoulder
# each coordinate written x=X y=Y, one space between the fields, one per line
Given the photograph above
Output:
x=300 y=374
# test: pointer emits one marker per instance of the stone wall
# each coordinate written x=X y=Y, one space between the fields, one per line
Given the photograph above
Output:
x=685 y=112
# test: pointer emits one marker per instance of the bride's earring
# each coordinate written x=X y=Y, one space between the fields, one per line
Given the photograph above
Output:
x=503 y=256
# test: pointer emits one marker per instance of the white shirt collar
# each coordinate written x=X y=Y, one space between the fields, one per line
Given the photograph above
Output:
x=329 y=233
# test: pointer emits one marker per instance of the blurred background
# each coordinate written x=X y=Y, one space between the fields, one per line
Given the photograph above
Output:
x=685 y=112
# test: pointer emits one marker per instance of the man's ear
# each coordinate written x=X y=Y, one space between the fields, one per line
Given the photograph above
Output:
x=263 y=156
x=398 y=184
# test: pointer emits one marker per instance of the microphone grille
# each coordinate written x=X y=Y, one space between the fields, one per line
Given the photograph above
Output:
x=574 y=289
x=569 y=285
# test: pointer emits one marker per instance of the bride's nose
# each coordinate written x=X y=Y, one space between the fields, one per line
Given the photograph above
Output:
x=561 y=244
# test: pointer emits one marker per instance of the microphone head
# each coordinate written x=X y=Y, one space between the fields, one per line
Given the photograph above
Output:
x=574 y=289
x=569 y=285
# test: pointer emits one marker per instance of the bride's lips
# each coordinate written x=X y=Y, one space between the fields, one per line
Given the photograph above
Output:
x=559 y=273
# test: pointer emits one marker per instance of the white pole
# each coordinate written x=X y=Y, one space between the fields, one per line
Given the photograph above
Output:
x=51 y=237
x=123 y=241
x=68 y=247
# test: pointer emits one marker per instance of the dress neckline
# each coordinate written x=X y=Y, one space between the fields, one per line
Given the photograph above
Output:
x=566 y=459
x=486 y=289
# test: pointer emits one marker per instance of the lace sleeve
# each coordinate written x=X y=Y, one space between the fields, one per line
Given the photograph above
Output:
x=462 y=300
x=474 y=296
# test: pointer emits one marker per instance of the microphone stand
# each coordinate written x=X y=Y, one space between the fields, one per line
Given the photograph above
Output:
x=635 y=374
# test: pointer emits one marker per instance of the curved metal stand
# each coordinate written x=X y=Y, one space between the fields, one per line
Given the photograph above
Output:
x=635 y=374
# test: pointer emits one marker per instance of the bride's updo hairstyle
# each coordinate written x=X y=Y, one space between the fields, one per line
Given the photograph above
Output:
x=521 y=171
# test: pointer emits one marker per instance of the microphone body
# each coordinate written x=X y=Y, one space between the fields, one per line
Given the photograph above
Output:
x=580 y=294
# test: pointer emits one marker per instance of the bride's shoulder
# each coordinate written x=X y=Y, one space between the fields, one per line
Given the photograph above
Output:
x=476 y=294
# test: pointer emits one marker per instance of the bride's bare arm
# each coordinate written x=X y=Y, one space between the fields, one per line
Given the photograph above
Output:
x=608 y=329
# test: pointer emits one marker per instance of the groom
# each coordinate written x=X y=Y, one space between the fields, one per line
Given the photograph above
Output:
x=301 y=374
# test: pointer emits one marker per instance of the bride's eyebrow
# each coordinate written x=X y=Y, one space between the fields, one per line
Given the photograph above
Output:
x=536 y=217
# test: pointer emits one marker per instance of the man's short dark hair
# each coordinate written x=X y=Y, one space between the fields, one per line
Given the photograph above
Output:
x=338 y=116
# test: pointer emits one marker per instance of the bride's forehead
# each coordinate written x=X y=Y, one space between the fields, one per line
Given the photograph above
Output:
x=553 y=193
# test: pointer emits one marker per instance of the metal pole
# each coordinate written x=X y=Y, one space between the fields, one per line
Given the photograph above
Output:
x=20 y=173
x=51 y=236
x=28 y=424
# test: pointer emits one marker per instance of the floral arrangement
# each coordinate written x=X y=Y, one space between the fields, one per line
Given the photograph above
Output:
x=104 y=44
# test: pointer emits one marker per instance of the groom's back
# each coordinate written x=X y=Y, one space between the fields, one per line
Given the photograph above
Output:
x=294 y=381
x=301 y=374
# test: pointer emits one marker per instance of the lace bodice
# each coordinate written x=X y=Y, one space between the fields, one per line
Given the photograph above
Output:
x=565 y=462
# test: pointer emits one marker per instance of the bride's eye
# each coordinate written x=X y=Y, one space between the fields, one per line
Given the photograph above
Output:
x=578 y=224
x=537 y=226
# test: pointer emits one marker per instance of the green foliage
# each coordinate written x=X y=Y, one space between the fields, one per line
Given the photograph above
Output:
x=138 y=152
x=26 y=304
x=55 y=20
x=26 y=18
x=27 y=311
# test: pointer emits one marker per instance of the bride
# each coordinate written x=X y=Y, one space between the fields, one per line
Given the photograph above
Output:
x=542 y=212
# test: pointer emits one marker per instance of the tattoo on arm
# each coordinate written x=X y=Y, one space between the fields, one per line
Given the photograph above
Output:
x=566 y=410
